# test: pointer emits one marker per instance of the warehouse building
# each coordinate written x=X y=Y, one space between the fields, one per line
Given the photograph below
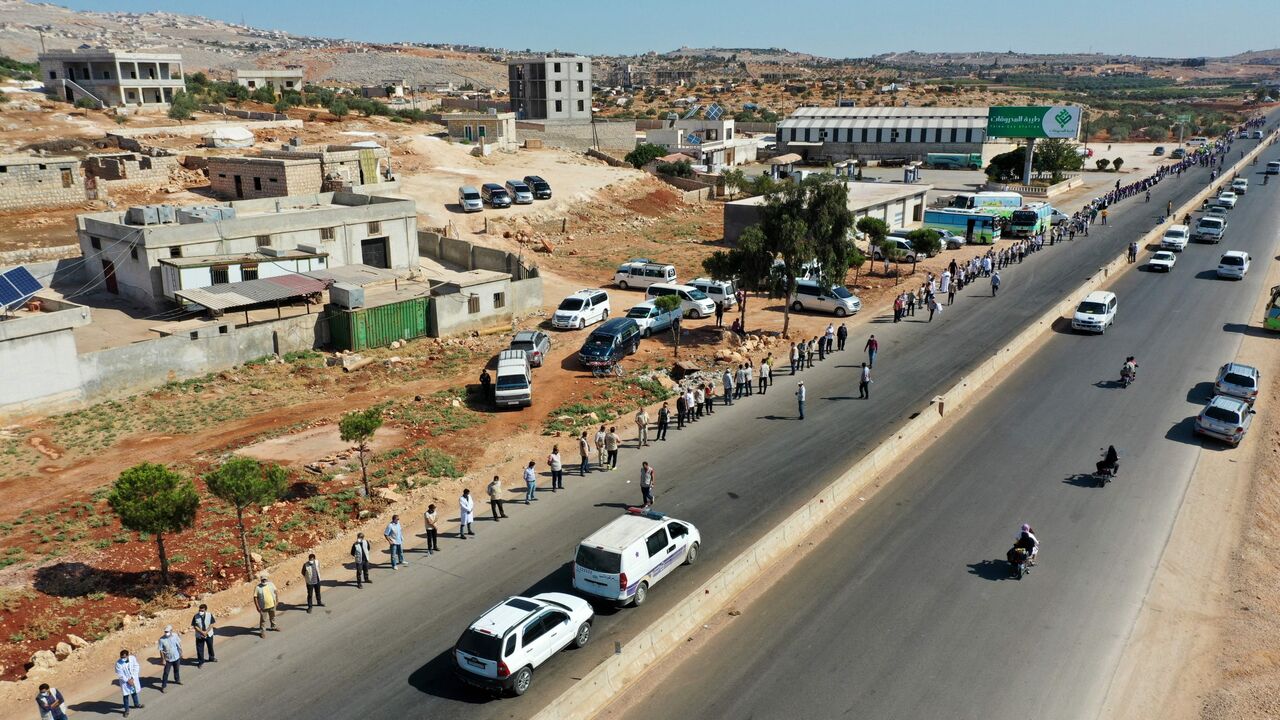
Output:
x=899 y=205
x=828 y=135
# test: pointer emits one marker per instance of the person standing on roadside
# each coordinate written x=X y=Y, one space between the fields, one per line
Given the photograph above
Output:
x=556 y=467
x=719 y=313
x=611 y=444
x=170 y=648
x=433 y=530
x=466 y=514
x=800 y=397
x=841 y=336
x=395 y=541
x=202 y=623
x=265 y=600
x=995 y=283
x=864 y=382
x=486 y=386
x=584 y=450
x=311 y=576
x=494 y=491
x=600 y=453
x=128 y=671
x=642 y=427
x=664 y=419
x=795 y=359
x=726 y=381
x=646 y=485
x=764 y=374
x=360 y=552
x=830 y=338
x=872 y=347
x=50 y=702
x=530 y=483
x=682 y=407
x=1133 y=251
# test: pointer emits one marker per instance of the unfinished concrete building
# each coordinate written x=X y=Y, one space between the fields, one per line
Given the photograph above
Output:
x=278 y=80
x=35 y=182
x=131 y=168
x=242 y=178
x=114 y=78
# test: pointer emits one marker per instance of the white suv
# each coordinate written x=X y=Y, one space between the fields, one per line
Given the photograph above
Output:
x=583 y=308
x=1176 y=238
x=500 y=650
x=900 y=244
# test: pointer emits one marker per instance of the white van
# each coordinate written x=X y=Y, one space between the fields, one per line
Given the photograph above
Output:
x=640 y=274
x=1176 y=238
x=1273 y=167
x=836 y=299
x=693 y=302
x=1095 y=313
x=514 y=385
x=720 y=291
x=622 y=560
x=1198 y=141
x=583 y=308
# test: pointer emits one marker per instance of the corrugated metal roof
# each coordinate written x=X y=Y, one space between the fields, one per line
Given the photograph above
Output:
x=889 y=112
x=228 y=296
x=945 y=123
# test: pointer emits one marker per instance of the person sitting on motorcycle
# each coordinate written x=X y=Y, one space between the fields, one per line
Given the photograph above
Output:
x=1130 y=369
x=1110 y=461
x=1028 y=541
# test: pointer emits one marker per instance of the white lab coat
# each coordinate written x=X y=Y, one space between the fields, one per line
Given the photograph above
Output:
x=466 y=506
x=128 y=670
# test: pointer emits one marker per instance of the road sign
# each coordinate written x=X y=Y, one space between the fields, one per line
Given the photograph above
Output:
x=1057 y=121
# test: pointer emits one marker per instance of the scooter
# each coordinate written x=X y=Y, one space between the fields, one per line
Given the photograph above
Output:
x=1019 y=561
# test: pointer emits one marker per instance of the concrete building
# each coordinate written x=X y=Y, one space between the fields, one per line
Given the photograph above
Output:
x=551 y=88
x=36 y=182
x=148 y=253
x=38 y=354
x=121 y=169
x=114 y=78
x=277 y=80
x=388 y=89
x=901 y=206
x=709 y=142
x=823 y=135
x=492 y=128
x=301 y=170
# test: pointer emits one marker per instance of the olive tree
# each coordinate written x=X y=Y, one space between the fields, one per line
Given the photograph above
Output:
x=242 y=483
x=359 y=427
x=151 y=498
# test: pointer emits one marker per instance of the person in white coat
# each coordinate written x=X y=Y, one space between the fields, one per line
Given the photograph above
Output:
x=127 y=671
x=466 y=514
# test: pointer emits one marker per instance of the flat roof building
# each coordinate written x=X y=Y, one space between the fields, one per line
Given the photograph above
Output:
x=114 y=78
x=491 y=128
x=831 y=134
x=551 y=88
x=277 y=80
x=899 y=205
x=28 y=182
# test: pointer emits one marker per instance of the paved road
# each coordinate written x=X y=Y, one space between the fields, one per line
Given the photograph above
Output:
x=383 y=651
x=907 y=610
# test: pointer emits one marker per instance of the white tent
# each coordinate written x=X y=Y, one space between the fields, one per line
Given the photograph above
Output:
x=229 y=137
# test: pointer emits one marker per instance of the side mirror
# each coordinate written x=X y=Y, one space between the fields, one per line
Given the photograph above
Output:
x=1252 y=411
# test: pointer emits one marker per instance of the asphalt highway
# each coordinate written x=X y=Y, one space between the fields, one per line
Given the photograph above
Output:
x=907 y=610
x=384 y=651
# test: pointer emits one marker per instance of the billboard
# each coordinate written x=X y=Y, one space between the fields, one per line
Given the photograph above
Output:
x=1057 y=121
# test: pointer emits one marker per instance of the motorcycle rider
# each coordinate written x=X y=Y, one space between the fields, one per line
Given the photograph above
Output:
x=1028 y=541
x=1130 y=369
x=1110 y=461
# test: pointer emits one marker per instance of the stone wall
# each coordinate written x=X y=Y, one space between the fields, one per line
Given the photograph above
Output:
x=52 y=183
x=263 y=177
x=121 y=169
x=615 y=134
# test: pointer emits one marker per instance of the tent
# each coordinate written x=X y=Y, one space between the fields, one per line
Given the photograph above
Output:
x=229 y=137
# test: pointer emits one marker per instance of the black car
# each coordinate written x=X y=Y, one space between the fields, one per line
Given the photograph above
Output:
x=609 y=343
x=541 y=189
x=496 y=195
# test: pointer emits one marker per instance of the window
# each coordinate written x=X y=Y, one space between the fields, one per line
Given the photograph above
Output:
x=473 y=304
x=264 y=240
x=559 y=106
x=175 y=251
x=537 y=628
x=219 y=274
x=195 y=335
x=257 y=183
x=557 y=87
x=677 y=530
x=375 y=227
x=579 y=68
x=555 y=67
x=499 y=300
x=249 y=271
x=133 y=252
x=580 y=86
x=657 y=542
x=95 y=243
x=53 y=75
x=955 y=132
x=326 y=233
x=511 y=646
x=223 y=329
x=581 y=107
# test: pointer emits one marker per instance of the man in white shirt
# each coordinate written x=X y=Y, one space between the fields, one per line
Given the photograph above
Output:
x=800 y=396
x=127 y=672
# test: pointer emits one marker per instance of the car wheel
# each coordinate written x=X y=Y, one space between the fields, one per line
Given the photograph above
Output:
x=520 y=685
x=695 y=314
x=841 y=312
x=582 y=323
x=642 y=594
x=644 y=333
x=634 y=347
x=691 y=556
x=605 y=316
x=622 y=284
x=583 y=636
x=796 y=306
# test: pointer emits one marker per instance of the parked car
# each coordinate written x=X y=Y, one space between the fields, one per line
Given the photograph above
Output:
x=1158 y=151
x=1162 y=260
x=651 y=318
x=1233 y=264
x=1238 y=380
x=1216 y=209
x=720 y=291
x=535 y=343
x=1175 y=238
x=583 y=308
x=1057 y=217
x=469 y=199
x=1227 y=198
x=541 y=188
x=643 y=273
x=502 y=648
x=622 y=560
x=902 y=244
x=609 y=343
x=1256 y=134
x=1210 y=229
x=496 y=195
x=810 y=295
x=1225 y=418
x=1240 y=186
x=693 y=302
x=519 y=192
x=1096 y=312
x=514 y=384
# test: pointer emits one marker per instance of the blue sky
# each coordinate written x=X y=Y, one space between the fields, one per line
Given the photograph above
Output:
x=836 y=28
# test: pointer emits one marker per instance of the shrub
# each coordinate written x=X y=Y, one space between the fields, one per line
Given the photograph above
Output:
x=1102 y=164
x=87 y=103
x=1117 y=163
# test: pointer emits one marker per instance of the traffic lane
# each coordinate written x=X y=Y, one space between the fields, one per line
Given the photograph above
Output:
x=733 y=479
x=917 y=577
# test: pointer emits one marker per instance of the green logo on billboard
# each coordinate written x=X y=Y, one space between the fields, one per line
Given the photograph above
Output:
x=1063 y=117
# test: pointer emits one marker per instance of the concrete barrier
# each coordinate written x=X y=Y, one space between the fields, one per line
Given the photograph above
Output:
x=599 y=687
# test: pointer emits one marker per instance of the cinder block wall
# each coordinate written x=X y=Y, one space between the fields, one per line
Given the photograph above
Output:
x=275 y=179
x=25 y=187
x=580 y=136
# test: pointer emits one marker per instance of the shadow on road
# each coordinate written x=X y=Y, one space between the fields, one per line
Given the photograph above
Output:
x=1250 y=330
x=991 y=570
x=1200 y=393
x=436 y=678
x=96 y=707
x=1109 y=385
x=1085 y=480
x=1062 y=326
x=1185 y=432
x=1207 y=275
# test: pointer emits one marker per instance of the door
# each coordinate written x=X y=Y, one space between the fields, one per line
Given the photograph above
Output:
x=968 y=230
x=66 y=178
x=661 y=551
x=239 y=188
x=109 y=275
x=373 y=252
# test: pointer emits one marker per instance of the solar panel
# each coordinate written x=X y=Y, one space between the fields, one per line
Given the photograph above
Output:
x=17 y=286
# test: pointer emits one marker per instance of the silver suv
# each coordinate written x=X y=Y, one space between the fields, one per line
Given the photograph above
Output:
x=1238 y=380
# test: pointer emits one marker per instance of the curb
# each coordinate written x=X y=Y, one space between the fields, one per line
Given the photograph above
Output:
x=599 y=687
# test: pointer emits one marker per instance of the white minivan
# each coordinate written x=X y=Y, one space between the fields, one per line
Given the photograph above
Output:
x=720 y=291
x=583 y=308
x=622 y=560
x=810 y=295
x=693 y=302
x=1095 y=313
x=1176 y=238
x=514 y=385
x=642 y=274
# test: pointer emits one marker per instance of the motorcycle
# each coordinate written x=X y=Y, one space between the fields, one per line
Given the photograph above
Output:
x=1128 y=376
x=1104 y=473
x=1019 y=561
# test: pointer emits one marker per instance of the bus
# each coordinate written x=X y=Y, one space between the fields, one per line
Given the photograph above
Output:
x=1272 y=319
x=1030 y=219
x=954 y=161
x=1004 y=202
x=975 y=226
